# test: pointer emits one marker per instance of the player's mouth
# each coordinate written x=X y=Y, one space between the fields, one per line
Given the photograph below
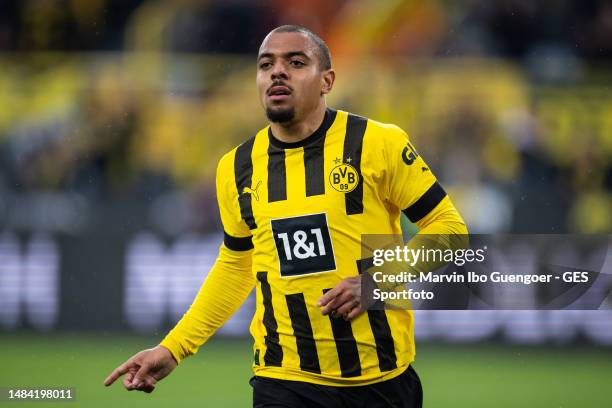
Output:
x=279 y=92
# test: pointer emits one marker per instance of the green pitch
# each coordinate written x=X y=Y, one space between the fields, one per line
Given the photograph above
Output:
x=453 y=376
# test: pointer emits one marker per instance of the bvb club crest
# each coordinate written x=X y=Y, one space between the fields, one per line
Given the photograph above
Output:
x=344 y=178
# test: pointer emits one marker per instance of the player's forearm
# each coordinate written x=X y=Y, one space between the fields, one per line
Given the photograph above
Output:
x=228 y=284
x=441 y=230
x=443 y=220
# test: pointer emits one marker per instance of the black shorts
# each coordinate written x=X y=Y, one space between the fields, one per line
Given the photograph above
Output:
x=403 y=391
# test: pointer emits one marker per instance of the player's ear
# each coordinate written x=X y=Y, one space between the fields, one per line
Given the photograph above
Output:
x=328 y=78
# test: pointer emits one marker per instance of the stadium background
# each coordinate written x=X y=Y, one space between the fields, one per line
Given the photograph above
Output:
x=114 y=114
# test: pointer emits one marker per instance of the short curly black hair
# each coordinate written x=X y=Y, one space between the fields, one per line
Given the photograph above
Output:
x=325 y=61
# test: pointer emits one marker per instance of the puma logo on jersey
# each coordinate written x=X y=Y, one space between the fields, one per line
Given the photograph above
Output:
x=252 y=191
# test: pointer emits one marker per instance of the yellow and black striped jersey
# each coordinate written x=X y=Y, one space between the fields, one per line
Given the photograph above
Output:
x=302 y=208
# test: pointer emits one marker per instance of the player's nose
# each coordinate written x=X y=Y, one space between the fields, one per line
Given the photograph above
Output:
x=279 y=71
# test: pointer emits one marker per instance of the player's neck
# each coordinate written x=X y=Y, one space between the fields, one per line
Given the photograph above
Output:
x=296 y=131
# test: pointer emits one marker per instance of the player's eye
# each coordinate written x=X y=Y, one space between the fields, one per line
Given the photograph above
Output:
x=265 y=65
x=297 y=63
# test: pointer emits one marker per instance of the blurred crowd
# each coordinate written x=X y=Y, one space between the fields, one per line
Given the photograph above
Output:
x=130 y=103
x=507 y=28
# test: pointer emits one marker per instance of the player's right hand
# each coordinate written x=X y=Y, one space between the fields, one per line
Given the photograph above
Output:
x=144 y=369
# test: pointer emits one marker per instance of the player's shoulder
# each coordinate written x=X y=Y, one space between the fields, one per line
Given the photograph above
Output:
x=382 y=130
x=240 y=154
x=388 y=131
x=387 y=136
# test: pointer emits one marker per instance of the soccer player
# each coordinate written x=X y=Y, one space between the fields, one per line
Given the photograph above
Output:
x=294 y=201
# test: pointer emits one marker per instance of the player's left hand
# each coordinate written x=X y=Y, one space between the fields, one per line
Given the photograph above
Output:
x=344 y=300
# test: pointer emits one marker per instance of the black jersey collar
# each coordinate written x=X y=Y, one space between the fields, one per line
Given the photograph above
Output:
x=328 y=119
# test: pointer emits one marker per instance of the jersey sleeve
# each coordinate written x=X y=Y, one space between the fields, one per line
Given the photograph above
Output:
x=415 y=190
x=237 y=235
x=412 y=186
x=228 y=283
x=226 y=287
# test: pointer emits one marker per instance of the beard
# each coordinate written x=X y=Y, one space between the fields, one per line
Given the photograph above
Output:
x=280 y=115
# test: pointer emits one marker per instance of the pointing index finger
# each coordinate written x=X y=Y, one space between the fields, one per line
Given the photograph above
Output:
x=117 y=372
